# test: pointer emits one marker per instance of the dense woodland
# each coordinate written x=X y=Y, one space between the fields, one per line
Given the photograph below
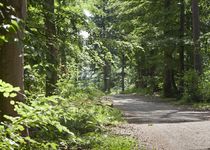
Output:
x=57 y=56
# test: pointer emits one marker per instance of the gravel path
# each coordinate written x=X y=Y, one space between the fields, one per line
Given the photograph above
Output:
x=158 y=125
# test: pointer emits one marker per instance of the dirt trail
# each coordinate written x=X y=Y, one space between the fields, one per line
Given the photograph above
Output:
x=158 y=125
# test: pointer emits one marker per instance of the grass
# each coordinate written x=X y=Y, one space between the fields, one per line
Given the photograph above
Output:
x=115 y=142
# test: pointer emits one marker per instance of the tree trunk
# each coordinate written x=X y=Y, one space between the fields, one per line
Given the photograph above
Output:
x=182 y=48
x=62 y=34
x=141 y=70
x=123 y=71
x=196 y=36
x=52 y=52
x=11 y=59
x=107 y=76
x=189 y=53
x=168 y=84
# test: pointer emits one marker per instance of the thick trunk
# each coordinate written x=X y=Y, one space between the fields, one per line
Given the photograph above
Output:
x=11 y=59
x=167 y=87
x=196 y=36
x=52 y=52
x=168 y=82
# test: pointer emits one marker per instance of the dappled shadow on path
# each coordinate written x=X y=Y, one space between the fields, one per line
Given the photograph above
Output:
x=140 y=110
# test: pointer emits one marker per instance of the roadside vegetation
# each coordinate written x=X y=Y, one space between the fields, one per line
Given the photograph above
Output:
x=65 y=121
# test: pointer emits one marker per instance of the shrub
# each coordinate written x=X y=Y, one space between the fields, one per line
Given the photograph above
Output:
x=192 y=91
x=205 y=86
x=197 y=87
x=55 y=122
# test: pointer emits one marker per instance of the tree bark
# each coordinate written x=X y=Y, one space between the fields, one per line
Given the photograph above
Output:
x=141 y=70
x=182 y=48
x=107 y=76
x=52 y=52
x=11 y=59
x=123 y=71
x=196 y=36
x=62 y=54
x=168 y=72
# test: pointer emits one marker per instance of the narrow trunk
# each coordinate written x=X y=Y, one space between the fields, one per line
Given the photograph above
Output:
x=123 y=72
x=62 y=54
x=182 y=48
x=107 y=70
x=138 y=75
x=107 y=65
x=141 y=60
x=196 y=36
x=11 y=59
x=189 y=53
x=52 y=52
x=63 y=60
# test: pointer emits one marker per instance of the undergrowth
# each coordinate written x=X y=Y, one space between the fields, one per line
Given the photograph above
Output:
x=74 y=118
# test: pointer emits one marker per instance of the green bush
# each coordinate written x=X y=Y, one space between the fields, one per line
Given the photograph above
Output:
x=197 y=87
x=55 y=122
x=69 y=90
x=192 y=91
x=205 y=86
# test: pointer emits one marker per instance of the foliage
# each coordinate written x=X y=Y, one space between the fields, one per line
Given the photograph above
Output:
x=201 y=106
x=55 y=122
x=80 y=92
x=191 y=79
x=8 y=90
x=205 y=86
x=196 y=87
x=9 y=22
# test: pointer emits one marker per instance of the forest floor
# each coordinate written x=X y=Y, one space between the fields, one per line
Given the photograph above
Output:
x=160 y=125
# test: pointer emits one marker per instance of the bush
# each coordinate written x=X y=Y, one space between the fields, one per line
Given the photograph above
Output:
x=205 y=86
x=192 y=91
x=55 y=122
x=197 y=87
x=69 y=90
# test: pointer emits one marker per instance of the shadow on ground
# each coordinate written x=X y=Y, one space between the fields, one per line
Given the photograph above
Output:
x=141 y=110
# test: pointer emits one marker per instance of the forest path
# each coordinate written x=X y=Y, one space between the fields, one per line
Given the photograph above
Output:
x=158 y=125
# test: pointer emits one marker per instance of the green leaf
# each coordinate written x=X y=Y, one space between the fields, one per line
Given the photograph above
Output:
x=2 y=89
x=20 y=127
x=16 y=89
x=13 y=95
x=6 y=94
x=3 y=38
x=15 y=24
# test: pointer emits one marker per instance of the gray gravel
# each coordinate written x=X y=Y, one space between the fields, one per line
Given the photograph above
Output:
x=158 y=125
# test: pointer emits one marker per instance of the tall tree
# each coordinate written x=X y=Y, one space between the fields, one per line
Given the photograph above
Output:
x=168 y=73
x=123 y=63
x=196 y=36
x=11 y=55
x=52 y=51
x=181 y=49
